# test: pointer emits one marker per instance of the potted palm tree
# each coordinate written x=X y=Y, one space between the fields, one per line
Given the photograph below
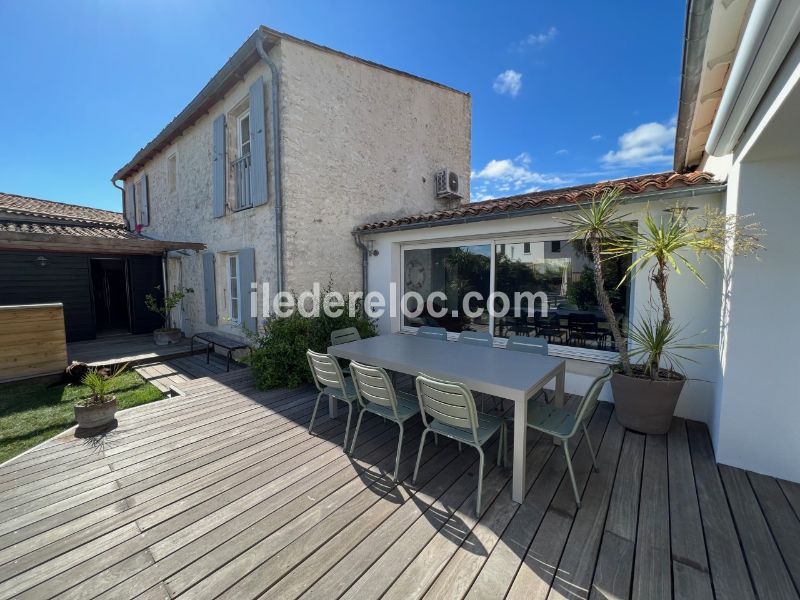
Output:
x=165 y=335
x=649 y=378
x=100 y=408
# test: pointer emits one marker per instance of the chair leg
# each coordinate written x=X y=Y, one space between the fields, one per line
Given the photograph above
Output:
x=355 y=433
x=591 y=449
x=571 y=474
x=314 y=412
x=480 y=482
x=501 y=444
x=436 y=439
x=419 y=454
x=399 y=449
x=459 y=447
x=347 y=428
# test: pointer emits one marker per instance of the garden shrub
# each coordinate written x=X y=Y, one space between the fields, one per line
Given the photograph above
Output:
x=279 y=356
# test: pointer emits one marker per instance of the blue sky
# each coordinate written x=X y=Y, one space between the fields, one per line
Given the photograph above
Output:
x=562 y=93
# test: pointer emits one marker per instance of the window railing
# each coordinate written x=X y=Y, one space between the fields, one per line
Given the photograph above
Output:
x=241 y=182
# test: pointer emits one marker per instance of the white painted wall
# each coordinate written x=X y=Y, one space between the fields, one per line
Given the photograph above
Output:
x=756 y=413
x=692 y=303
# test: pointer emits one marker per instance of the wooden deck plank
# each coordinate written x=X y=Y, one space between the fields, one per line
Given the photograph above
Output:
x=652 y=569
x=690 y=563
x=538 y=569
x=614 y=568
x=729 y=575
x=782 y=520
x=577 y=564
x=767 y=569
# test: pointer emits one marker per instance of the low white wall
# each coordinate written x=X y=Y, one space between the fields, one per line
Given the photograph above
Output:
x=692 y=303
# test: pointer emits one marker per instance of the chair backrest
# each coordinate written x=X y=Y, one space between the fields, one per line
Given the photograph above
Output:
x=435 y=333
x=476 y=338
x=326 y=370
x=533 y=345
x=449 y=402
x=589 y=400
x=582 y=322
x=343 y=336
x=373 y=386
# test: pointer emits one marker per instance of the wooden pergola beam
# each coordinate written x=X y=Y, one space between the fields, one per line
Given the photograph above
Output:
x=44 y=242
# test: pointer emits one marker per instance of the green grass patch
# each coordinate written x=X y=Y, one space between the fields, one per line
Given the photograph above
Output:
x=33 y=412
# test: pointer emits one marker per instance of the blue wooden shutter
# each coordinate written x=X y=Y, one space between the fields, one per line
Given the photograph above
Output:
x=144 y=203
x=247 y=274
x=218 y=167
x=258 y=144
x=130 y=206
x=209 y=288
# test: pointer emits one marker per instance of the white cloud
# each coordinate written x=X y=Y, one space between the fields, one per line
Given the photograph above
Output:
x=597 y=137
x=508 y=82
x=562 y=152
x=538 y=39
x=646 y=144
x=510 y=176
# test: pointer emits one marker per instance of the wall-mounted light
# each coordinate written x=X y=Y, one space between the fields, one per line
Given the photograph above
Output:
x=371 y=248
x=41 y=260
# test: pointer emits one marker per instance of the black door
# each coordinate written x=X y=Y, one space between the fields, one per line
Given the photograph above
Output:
x=109 y=283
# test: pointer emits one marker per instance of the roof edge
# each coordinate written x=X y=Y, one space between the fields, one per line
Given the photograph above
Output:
x=698 y=20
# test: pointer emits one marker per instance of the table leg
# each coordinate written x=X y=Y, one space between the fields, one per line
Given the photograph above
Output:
x=520 y=437
x=333 y=407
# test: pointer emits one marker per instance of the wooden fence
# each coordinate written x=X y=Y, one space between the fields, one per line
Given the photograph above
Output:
x=32 y=341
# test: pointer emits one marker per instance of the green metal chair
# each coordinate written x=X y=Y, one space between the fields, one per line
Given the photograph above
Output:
x=434 y=333
x=478 y=338
x=343 y=336
x=377 y=395
x=563 y=424
x=448 y=409
x=330 y=381
x=531 y=345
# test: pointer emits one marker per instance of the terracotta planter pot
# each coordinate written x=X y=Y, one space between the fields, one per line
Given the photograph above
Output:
x=644 y=405
x=96 y=415
x=165 y=337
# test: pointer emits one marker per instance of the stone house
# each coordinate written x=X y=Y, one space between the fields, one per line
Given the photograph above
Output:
x=274 y=163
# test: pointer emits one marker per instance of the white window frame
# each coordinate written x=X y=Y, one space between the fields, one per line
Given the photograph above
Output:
x=239 y=142
x=229 y=287
x=172 y=155
x=587 y=354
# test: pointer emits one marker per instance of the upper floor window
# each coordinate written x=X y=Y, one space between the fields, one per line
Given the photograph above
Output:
x=172 y=173
x=244 y=134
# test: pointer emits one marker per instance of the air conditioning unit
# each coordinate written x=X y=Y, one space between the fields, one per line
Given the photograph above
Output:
x=446 y=182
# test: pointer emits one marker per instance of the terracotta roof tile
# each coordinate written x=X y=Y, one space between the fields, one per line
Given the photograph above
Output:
x=58 y=211
x=557 y=197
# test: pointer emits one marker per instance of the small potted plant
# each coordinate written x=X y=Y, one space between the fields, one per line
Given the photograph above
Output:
x=100 y=408
x=646 y=391
x=165 y=335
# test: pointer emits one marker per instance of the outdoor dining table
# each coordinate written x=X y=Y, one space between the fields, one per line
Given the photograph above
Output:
x=515 y=376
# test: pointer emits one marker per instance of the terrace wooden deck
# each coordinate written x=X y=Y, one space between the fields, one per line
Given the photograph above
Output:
x=126 y=349
x=223 y=493
x=172 y=374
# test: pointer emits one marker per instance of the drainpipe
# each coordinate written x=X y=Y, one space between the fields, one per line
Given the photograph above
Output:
x=276 y=162
x=364 y=265
x=121 y=189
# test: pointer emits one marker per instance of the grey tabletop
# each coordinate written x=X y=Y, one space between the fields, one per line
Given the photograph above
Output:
x=502 y=373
